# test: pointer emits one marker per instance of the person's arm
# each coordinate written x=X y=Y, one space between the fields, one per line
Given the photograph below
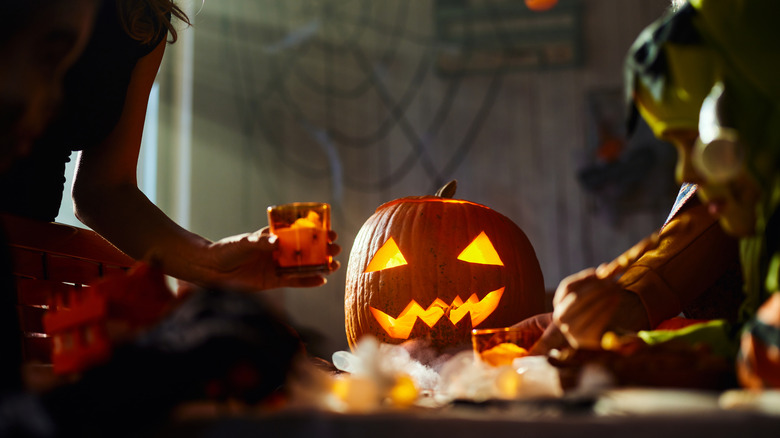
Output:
x=107 y=199
x=693 y=255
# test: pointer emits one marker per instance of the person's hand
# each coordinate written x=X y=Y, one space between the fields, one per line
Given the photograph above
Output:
x=587 y=305
x=583 y=307
x=590 y=302
x=534 y=327
x=543 y=333
x=246 y=261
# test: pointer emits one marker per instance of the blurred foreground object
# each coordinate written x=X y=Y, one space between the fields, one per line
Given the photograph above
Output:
x=697 y=356
x=49 y=261
x=376 y=376
x=379 y=377
x=85 y=323
x=758 y=363
x=214 y=345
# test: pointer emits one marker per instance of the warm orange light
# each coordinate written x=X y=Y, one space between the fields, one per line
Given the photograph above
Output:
x=428 y=199
x=481 y=251
x=388 y=256
x=303 y=243
x=401 y=327
x=479 y=309
x=404 y=392
x=503 y=354
x=540 y=5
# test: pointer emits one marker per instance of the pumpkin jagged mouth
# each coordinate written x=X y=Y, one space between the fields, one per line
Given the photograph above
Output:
x=401 y=327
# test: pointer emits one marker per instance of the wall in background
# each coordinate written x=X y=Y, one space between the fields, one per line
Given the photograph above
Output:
x=342 y=101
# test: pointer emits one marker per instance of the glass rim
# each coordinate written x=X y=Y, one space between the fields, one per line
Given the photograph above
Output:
x=485 y=331
x=298 y=205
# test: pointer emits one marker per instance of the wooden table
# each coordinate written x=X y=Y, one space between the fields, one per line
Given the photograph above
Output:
x=570 y=417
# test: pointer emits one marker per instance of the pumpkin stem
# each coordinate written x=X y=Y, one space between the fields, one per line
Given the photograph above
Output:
x=448 y=190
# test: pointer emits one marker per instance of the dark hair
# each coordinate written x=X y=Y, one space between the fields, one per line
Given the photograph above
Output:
x=147 y=20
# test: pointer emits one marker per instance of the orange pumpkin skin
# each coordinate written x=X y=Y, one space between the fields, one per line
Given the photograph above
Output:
x=540 y=5
x=758 y=361
x=431 y=232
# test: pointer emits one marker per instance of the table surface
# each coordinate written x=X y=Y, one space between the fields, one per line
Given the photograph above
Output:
x=630 y=413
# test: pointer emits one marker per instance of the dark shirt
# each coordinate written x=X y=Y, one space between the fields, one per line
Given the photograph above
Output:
x=10 y=333
x=94 y=94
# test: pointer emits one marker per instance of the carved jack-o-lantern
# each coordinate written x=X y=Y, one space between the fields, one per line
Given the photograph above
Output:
x=433 y=267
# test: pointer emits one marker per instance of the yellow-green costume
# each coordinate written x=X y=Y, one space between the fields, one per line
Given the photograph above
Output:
x=745 y=36
x=674 y=65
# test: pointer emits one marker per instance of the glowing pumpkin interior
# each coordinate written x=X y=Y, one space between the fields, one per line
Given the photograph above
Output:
x=479 y=251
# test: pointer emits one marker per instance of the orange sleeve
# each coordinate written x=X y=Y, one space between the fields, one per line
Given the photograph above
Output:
x=692 y=254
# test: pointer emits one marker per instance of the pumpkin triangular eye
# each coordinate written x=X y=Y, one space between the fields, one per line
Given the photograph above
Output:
x=388 y=256
x=481 y=251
